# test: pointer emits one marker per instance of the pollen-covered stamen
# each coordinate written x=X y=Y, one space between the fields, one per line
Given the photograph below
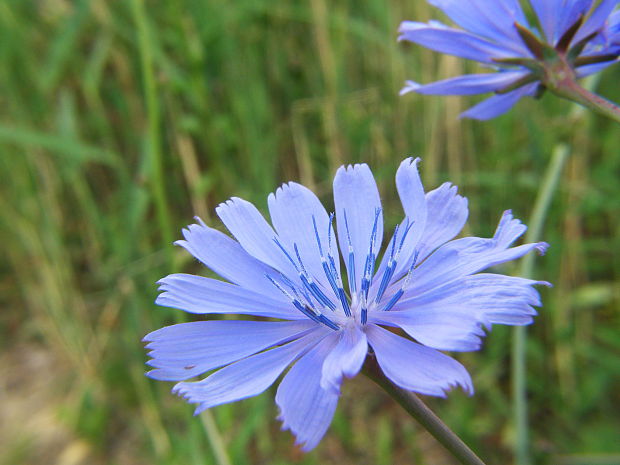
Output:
x=351 y=267
x=305 y=278
x=405 y=283
x=285 y=252
x=389 y=269
x=309 y=283
x=328 y=272
x=310 y=301
x=299 y=293
x=369 y=266
x=329 y=267
x=364 y=310
x=388 y=273
x=314 y=315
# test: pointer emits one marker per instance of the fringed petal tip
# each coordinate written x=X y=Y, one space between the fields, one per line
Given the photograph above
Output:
x=410 y=86
x=410 y=162
x=466 y=385
x=304 y=444
x=353 y=168
x=200 y=222
x=541 y=248
x=182 y=391
x=201 y=408
x=407 y=26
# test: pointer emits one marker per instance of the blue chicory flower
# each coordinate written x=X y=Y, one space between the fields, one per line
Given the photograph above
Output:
x=498 y=34
x=426 y=284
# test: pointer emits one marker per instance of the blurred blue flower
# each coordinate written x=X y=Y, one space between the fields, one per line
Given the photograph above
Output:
x=576 y=35
x=427 y=285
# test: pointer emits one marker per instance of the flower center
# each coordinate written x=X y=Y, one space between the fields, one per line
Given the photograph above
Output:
x=310 y=297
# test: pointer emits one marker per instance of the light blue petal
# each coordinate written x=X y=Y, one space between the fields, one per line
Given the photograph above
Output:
x=414 y=367
x=228 y=259
x=435 y=326
x=254 y=234
x=547 y=12
x=597 y=19
x=306 y=409
x=356 y=194
x=292 y=210
x=447 y=214
x=196 y=294
x=613 y=26
x=186 y=350
x=499 y=104
x=587 y=70
x=449 y=317
x=443 y=39
x=556 y=16
x=469 y=255
x=246 y=378
x=411 y=193
x=493 y=20
x=413 y=200
x=345 y=359
x=469 y=84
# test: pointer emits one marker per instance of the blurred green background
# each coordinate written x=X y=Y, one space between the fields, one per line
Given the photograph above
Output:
x=121 y=120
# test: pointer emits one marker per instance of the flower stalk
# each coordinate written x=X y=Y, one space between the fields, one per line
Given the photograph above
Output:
x=424 y=415
x=564 y=84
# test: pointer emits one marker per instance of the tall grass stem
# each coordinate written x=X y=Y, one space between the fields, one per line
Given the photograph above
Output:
x=519 y=388
x=153 y=142
x=215 y=439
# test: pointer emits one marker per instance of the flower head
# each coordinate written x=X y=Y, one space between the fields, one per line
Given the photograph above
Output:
x=574 y=38
x=426 y=285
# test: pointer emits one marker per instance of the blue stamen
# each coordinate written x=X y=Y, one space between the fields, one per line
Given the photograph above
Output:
x=317 y=293
x=369 y=266
x=330 y=277
x=329 y=323
x=316 y=235
x=405 y=282
x=385 y=281
x=393 y=241
x=351 y=267
x=388 y=273
x=393 y=300
x=402 y=239
x=330 y=267
x=364 y=310
x=307 y=281
x=391 y=266
x=329 y=232
x=305 y=309
x=298 y=255
x=328 y=272
x=279 y=244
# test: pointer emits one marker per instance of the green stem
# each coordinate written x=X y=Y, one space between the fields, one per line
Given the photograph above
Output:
x=573 y=91
x=425 y=416
x=519 y=386
x=215 y=438
x=156 y=179
x=562 y=81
